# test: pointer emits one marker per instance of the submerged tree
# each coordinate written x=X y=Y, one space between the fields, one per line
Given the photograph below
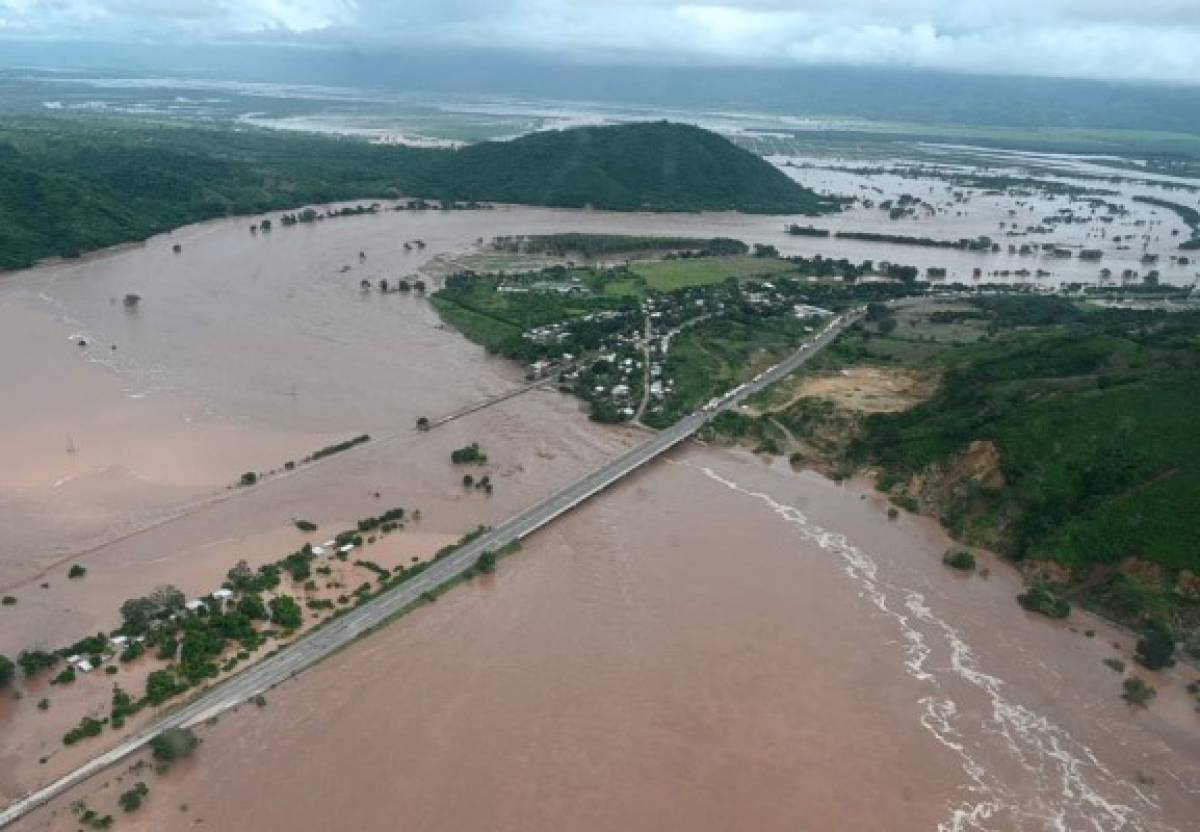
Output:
x=1156 y=647
x=174 y=744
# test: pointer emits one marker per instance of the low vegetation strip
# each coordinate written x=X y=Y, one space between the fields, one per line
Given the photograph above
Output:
x=807 y=231
x=591 y=246
x=975 y=244
x=1186 y=213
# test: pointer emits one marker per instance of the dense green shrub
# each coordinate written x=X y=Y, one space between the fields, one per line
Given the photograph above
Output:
x=468 y=455
x=1137 y=692
x=131 y=800
x=1039 y=599
x=286 y=612
x=132 y=652
x=175 y=744
x=139 y=612
x=252 y=607
x=87 y=727
x=161 y=685
x=1156 y=647
x=959 y=559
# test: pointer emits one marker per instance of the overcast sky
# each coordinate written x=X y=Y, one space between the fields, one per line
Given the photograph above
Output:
x=1151 y=40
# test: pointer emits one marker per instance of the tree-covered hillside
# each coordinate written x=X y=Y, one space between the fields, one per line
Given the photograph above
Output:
x=656 y=166
x=73 y=185
x=1093 y=416
x=68 y=186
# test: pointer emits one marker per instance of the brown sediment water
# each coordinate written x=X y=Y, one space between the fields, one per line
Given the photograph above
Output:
x=250 y=350
x=714 y=644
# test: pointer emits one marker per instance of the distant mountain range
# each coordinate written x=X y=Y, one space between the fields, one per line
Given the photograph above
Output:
x=892 y=95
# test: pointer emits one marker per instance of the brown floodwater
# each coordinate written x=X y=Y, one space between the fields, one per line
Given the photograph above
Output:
x=247 y=351
x=715 y=644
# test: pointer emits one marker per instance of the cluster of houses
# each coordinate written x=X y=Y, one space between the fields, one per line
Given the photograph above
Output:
x=331 y=547
x=631 y=363
x=218 y=597
x=563 y=331
x=116 y=644
x=571 y=286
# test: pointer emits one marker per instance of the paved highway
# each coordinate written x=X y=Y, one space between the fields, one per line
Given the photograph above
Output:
x=319 y=643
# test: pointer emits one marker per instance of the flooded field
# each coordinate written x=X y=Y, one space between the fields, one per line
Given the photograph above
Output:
x=715 y=644
x=246 y=351
x=685 y=643
x=1140 y=238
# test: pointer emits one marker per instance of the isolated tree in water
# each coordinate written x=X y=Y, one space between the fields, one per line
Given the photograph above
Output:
x=1156 y=647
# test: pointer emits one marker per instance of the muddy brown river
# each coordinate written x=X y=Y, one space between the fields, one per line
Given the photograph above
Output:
x=716 y=644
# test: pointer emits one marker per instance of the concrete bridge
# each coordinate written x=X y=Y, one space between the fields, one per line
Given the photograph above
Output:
x=319 y=643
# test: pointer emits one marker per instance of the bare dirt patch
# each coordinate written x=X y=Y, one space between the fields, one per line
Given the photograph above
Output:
x=869 y=389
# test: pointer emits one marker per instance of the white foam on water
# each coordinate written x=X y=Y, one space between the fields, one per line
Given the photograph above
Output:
x=1073 y=788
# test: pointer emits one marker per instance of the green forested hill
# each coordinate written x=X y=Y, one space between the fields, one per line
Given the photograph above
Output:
x=655 y=166
x=72 y=185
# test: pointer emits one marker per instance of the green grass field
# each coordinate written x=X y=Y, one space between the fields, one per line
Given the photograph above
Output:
x=670 y=275
x=490 y=332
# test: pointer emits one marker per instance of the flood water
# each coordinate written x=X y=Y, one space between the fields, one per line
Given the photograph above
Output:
x=693 y=650
x=716 y=644
x=248 y=350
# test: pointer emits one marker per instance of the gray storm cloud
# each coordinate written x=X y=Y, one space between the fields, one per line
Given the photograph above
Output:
x=1154 y=40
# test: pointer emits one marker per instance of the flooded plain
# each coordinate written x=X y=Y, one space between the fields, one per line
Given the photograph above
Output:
x=688 y=651
x=246 y=351
x=715 y=644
